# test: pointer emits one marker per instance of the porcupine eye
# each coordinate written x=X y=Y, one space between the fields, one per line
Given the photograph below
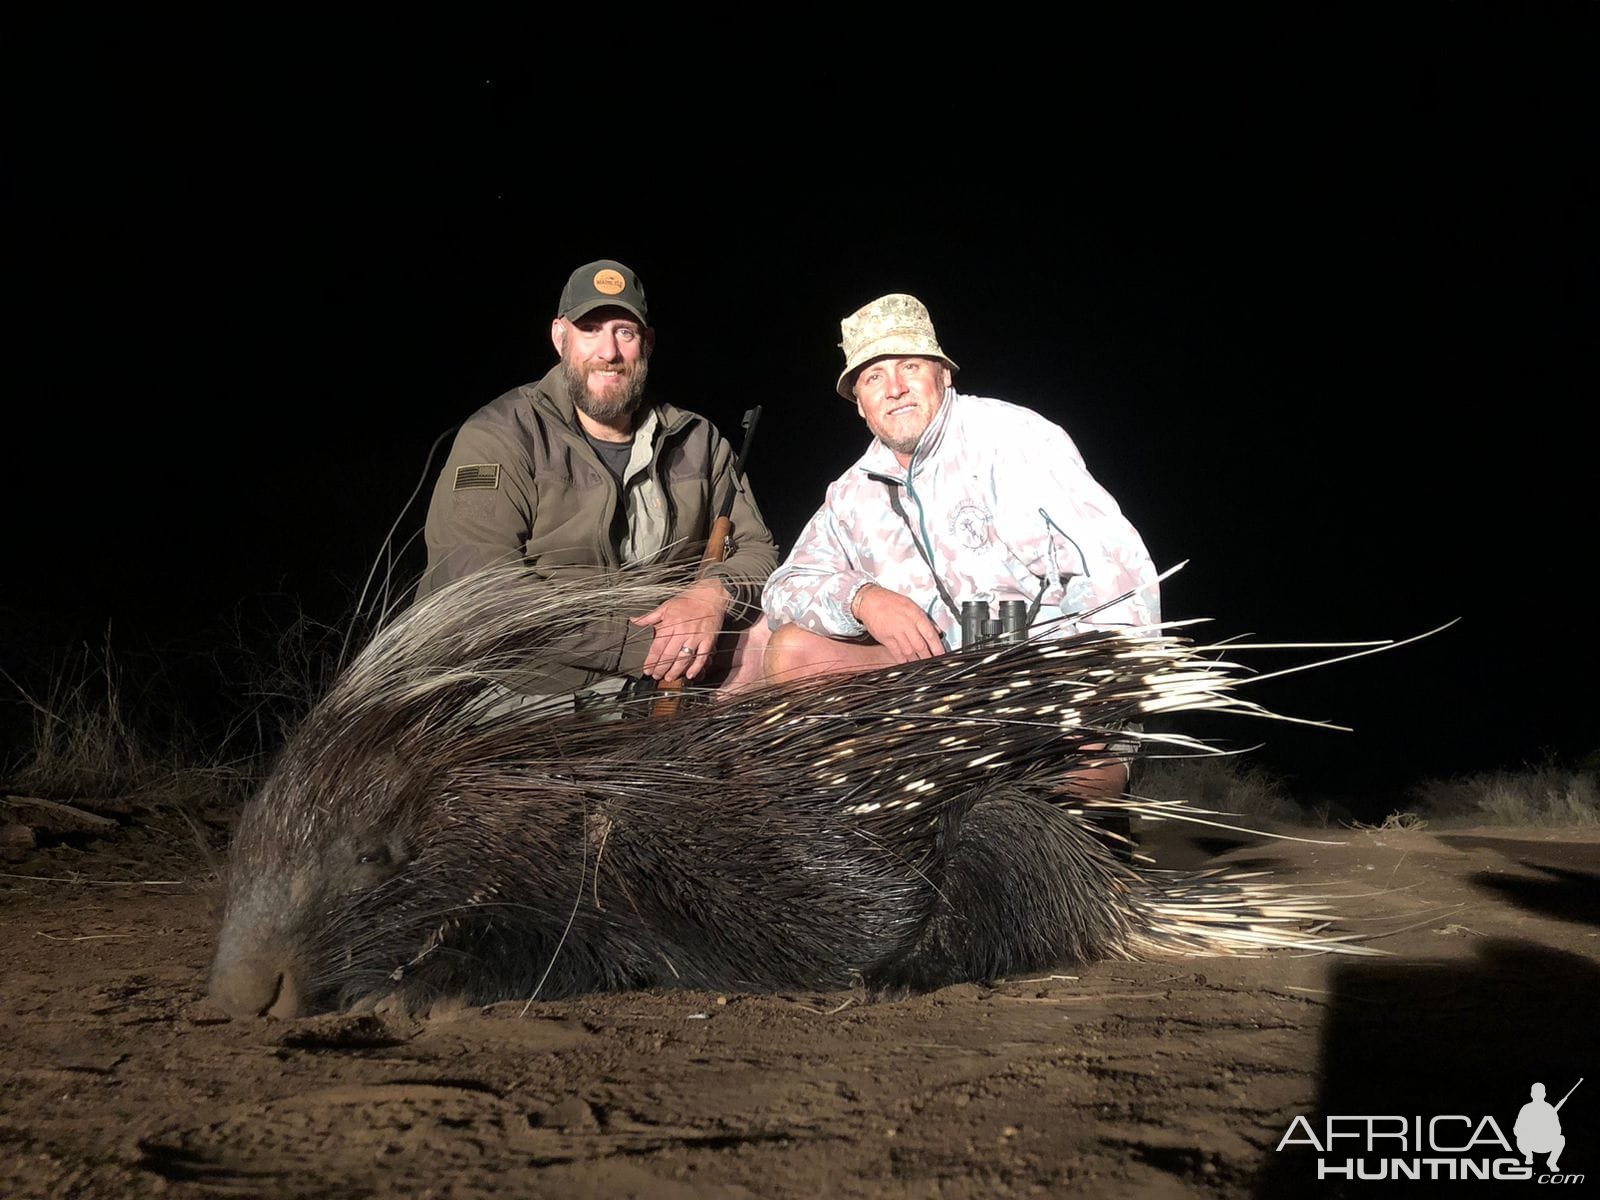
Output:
x=375 y=861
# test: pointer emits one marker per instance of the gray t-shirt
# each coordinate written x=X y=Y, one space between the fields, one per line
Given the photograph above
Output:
x=615 y=455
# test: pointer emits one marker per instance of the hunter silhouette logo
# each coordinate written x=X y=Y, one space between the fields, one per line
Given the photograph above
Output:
x=1447 y=1146
x=1538 y=1127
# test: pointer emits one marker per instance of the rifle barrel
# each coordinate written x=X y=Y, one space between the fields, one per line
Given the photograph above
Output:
x=751 y=416
x=1570 y=1090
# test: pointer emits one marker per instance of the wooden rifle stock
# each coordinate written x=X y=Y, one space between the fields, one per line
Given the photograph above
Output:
x=669 y=694
x=717 y=547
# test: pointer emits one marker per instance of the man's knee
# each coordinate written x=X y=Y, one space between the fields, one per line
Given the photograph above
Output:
x=789 y=647
x=795 y=652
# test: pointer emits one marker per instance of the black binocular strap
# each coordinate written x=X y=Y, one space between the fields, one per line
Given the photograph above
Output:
x=900 y=511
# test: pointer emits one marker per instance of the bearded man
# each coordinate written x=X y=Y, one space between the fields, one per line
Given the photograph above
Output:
x=583 y=472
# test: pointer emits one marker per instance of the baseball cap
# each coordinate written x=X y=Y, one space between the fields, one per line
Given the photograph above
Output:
x=602 y=284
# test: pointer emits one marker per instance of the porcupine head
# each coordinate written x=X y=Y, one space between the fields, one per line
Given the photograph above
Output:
x=315 y=857
x=362 y=879
x=370 y=866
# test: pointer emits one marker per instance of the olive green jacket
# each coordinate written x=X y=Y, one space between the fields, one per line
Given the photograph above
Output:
x=522 y=483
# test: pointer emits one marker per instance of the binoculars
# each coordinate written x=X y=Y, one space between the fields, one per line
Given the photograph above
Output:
x=978 y=626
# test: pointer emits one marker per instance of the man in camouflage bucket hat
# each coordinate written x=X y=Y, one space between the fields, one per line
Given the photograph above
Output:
x=958 y=498
x=583 y=473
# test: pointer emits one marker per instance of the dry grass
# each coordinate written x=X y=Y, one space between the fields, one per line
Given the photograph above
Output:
x=120 y=748
x=102 y=727
x=84 y=743
x=1396 y=822
x=116 y=734
x=1222 y=783
x=1548 y=794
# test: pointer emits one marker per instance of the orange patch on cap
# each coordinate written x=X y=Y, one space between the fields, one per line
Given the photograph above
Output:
x=608 y=282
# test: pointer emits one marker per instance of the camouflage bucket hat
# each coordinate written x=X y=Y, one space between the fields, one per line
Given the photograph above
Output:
x=895 y=325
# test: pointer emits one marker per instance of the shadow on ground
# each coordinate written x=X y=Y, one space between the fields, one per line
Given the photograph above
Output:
x=1559 y=886
x=1411 y=1038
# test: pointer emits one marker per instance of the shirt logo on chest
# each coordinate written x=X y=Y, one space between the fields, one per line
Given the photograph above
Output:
x=972 y=525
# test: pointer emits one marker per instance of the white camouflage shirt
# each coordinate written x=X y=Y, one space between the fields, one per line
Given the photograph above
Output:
x=1002 y=505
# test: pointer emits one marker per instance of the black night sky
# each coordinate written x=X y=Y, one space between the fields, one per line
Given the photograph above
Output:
x=1316 y=299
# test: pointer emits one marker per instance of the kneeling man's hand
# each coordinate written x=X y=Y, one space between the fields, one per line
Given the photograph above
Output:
x=686 y=631
x=895 y=622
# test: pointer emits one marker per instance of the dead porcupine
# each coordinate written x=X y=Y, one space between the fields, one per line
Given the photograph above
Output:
x=420 y=840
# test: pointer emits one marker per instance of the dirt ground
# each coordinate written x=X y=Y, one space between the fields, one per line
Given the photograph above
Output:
x=1153 y=1079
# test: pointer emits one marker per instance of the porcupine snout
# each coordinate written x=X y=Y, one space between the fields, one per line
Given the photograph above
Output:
x=255 y=980
x=254 y=971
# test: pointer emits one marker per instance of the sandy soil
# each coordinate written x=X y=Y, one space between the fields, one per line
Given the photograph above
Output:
x=1150 y=1079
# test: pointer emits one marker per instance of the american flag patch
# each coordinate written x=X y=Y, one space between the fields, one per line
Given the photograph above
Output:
x=478 y=475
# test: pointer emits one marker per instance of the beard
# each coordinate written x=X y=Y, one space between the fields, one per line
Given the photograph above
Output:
x=621 y=400
x=900 y=445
